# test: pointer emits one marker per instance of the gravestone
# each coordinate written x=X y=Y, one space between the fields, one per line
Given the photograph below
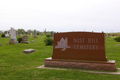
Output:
x=80 y=50
x=6 y=34
x=32 y=41
x=31 y=34
x=39 y=33
x=19 y=33
x=52 y=34
x=0 y=44
x=13 y=39
x=24 y=39
x=35 y=34
x=22 y=32
x=26 y=33
x=118 y=45
x=45 y=31
x=28 y=51
x=108 y=34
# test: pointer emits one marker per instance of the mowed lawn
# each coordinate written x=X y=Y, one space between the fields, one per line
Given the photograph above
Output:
x=15 y=65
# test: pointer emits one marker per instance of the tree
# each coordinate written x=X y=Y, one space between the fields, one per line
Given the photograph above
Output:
x=1 y=32
x=21 y=30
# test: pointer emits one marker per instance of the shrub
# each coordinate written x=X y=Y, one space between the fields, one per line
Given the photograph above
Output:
x=19 y=39
x=48 y=35
x=117 y=39
x=48 y=41
x=37 y=33
x=2 y=35
x=113 y=35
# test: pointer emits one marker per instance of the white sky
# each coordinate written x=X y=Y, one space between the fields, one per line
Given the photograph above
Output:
x=61 y=15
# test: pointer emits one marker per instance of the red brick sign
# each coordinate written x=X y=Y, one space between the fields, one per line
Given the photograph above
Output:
x=88 y=46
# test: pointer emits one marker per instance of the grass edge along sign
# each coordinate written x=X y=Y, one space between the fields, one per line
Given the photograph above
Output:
x=89 y=46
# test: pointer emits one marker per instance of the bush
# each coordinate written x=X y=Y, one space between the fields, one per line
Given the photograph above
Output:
x=19 y=39
x=113 y=35
x=37 y=33
x=117 y=39
x=48 y=35
x=2 y=35
x=48 y=41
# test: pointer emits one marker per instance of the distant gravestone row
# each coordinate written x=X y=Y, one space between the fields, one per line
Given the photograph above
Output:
x=19 y=33
x=13 y=34
x=29 y=33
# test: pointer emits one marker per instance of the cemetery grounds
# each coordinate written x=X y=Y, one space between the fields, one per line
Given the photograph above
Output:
x=15 y=65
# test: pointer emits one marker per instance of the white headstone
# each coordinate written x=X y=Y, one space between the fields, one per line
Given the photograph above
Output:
x=13 y=39
x=35 y=34
x=13 y=34
x=6 y=35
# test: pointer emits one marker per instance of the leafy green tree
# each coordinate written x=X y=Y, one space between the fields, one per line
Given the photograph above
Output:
x=29 y=31
x=21 y=30
x=3 y=35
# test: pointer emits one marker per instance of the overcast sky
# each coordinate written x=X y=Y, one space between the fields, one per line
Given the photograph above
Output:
x=61 y=15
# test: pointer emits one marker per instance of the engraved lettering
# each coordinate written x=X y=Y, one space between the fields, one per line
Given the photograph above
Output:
x=78 y=40
x=74 y=46
x=81 y=46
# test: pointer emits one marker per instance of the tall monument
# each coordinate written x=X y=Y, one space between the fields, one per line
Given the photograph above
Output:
x=35 y=34
x=45 y=31
x=13 y=39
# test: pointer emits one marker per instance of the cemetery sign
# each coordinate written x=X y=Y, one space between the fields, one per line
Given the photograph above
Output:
x=84 y=50
x=79 y=46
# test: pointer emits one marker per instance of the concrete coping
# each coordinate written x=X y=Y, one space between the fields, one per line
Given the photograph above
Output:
x=83 y=70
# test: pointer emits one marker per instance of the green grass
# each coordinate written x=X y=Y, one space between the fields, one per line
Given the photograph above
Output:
x=15 y=65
